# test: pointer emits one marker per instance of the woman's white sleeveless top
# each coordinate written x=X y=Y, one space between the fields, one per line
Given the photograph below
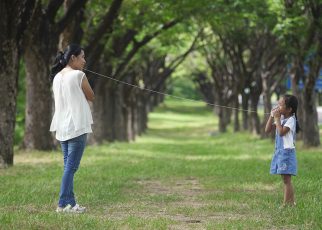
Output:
x=72 y=116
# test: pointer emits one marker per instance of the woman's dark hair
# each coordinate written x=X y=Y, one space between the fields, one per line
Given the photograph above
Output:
x=62 y=59
x=292 y=102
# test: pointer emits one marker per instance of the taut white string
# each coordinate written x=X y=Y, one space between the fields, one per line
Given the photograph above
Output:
x=169 y=95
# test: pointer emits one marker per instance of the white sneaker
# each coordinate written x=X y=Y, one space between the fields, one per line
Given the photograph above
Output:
x=75 y=209
x=59 y=209
x=78 y=208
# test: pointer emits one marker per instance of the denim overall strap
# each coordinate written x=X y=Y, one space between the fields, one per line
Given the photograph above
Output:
x=279 y=144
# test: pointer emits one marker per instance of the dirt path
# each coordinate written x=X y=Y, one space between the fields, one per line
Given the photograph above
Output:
x=187 y=211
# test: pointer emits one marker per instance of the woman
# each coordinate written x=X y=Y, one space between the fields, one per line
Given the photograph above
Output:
x=72 y=119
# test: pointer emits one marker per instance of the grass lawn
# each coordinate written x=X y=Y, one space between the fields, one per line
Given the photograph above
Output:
x=175 y=176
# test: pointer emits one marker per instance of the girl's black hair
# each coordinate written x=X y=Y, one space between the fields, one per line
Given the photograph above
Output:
x=62 y=59
x=292 y=102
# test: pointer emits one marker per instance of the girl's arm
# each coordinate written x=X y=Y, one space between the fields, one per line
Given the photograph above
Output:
x=282 y=130
x=269 y=124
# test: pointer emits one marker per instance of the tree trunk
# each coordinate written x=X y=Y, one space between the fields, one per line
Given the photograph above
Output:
x=255 y=122
x=267 y=109
x=73 y=32
x=128 y=118
x=311 y=135
x=9 y=63
x=113 y=118
x=119 y=122
x=139 y=114
x=310 y=126
x=222 y=113
x=236 y=115
x=135 y=124
x=15 y=16
x=266 y=103
x=245 y=98
x=228 y=114
x=102 y=115
x=128 y=108
x=110 y=115
x=144 y=109
x=38 y=100
x=295 y=74
x=41 y=46
x=222 y=123
x=206 y=87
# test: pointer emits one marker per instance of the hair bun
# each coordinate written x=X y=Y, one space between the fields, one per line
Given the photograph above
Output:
x=62 y=59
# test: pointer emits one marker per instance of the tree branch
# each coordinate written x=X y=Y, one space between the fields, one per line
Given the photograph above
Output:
x=24 y=22
x=138 y=45
x=52 y=9
x=72 y=10
x=178 y=60
x=106 y=26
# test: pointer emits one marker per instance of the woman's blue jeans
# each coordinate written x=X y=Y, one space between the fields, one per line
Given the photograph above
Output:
x=73 y=151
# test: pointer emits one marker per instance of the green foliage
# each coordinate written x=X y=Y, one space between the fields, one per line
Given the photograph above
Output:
x=183 y=86
x=288 y=29
x=182 y=82
x=294 y=25
x=21 y=102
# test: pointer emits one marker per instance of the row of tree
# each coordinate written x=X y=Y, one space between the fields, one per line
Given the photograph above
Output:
x=114 y=34
x=252 y=55
x=246 y=46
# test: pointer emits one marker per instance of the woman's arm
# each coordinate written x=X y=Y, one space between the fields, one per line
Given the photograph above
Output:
x=87 y=89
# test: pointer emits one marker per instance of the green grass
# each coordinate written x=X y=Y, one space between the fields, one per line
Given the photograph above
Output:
x=176 y=176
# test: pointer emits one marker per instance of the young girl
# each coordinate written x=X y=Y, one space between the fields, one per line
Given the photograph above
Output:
x=284 y=119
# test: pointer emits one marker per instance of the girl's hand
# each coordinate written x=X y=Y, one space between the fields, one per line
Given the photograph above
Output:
x=273 y=110
x=277 y=113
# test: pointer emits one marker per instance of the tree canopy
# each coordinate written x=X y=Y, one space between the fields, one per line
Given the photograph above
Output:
x=235 y=52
